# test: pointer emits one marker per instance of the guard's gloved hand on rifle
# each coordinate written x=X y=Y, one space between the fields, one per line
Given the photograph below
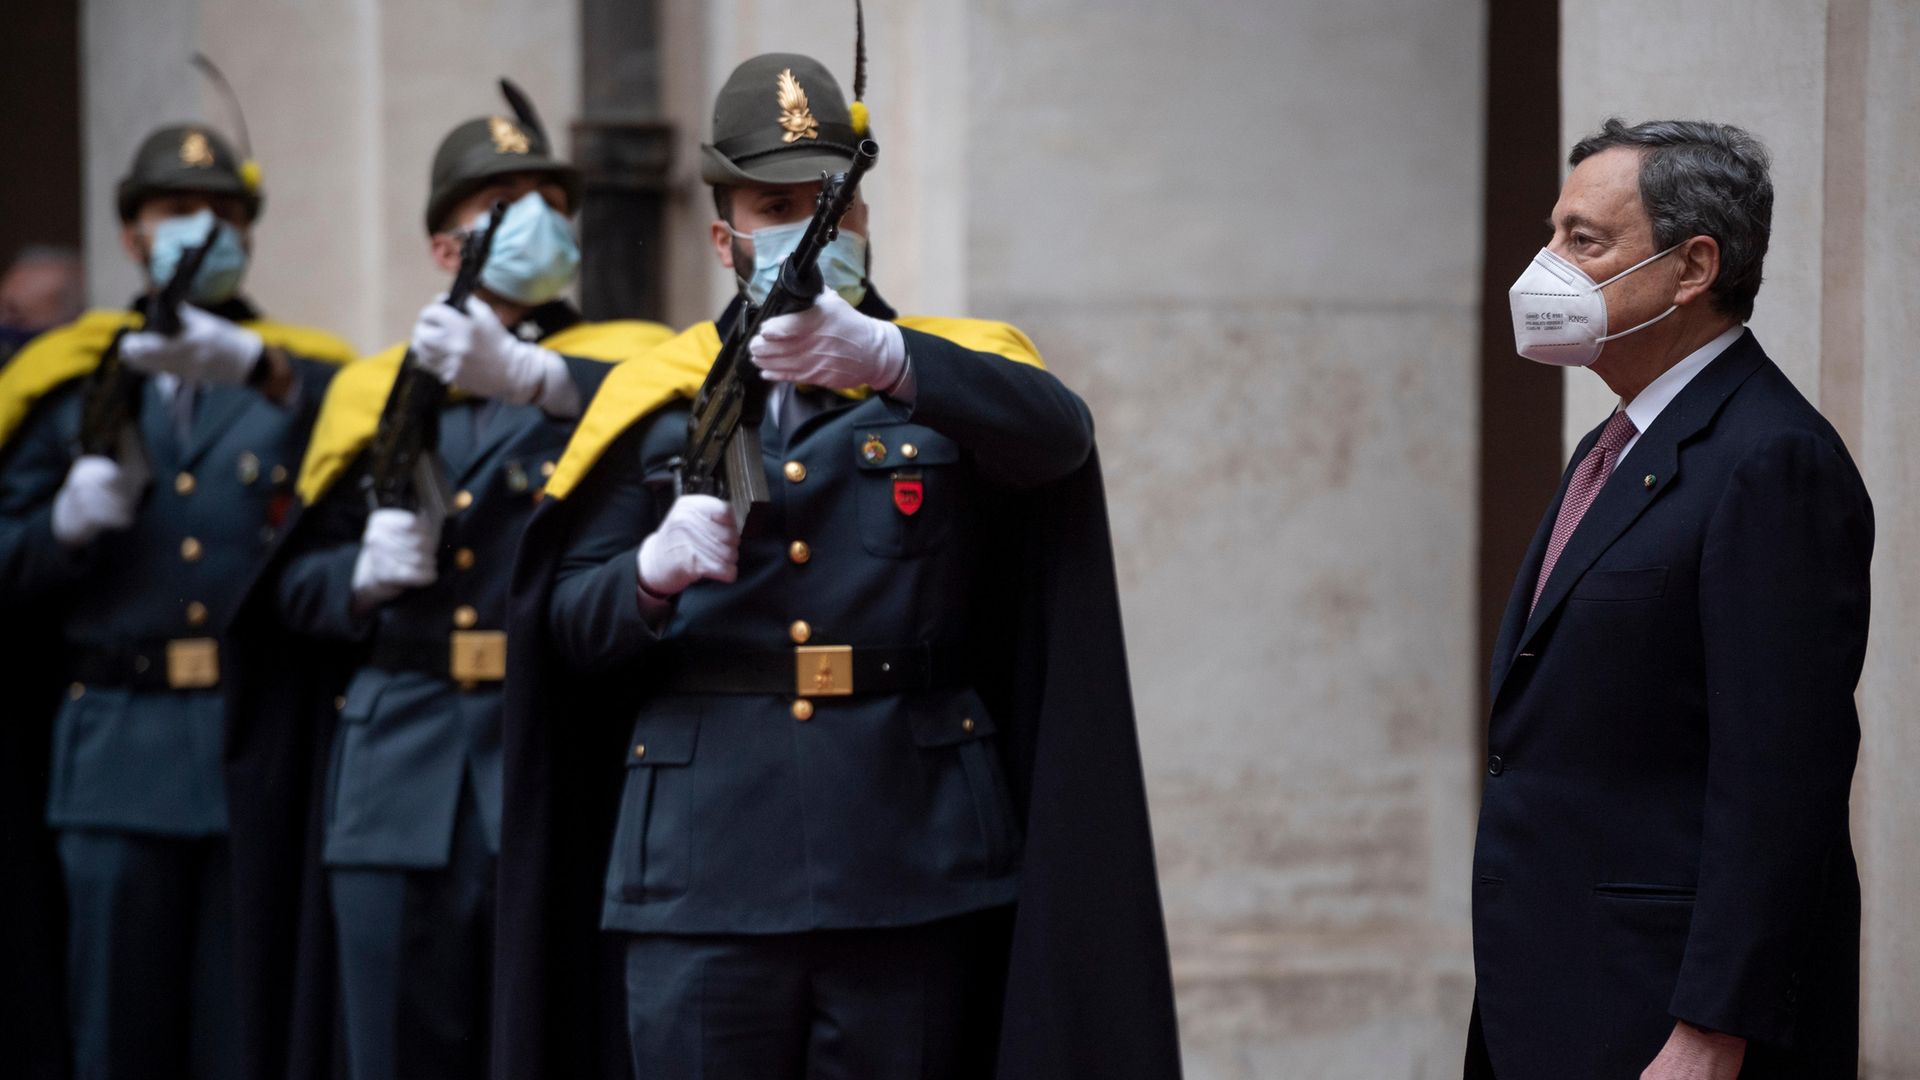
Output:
x=98 y=496
x=695 y=541
x=832 y=345
x=470 y=349
x=397 y=551
x=208 y=349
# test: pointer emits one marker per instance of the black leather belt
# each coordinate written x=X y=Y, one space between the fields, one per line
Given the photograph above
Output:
x=151 y=664
x=812 y=670
x=465 y=656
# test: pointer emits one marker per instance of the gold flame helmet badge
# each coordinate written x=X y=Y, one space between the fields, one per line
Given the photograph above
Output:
x=507 y=139
x=796 y=116
x=194 y=151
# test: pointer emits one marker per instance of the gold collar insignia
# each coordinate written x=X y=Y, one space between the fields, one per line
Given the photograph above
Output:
x=796 y=116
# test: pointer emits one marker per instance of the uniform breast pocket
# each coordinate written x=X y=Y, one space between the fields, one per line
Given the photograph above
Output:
x=910 y=488
x=1616 y=585
x=653 y=840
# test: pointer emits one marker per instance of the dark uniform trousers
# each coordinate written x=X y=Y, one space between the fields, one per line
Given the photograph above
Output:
x=901 y=1003
x=137 y=793
x=413 y=806
x=805 y=877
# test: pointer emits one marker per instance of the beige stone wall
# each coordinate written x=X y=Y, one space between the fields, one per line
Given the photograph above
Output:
x=346 y=100
x=1829 y=87
x=1249 y=233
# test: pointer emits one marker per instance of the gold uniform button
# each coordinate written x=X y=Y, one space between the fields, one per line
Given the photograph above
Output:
x=799 y=552
x=462 y=499
x=191 y=549
x=796 y=472
x=76 y=691
x=547 y=467
x=640 y=751
x=340 y=703
x=184 y=483
x=909 y=451
x=279 y=474
x=803 y=710
x=967 y=725
x=464 y=616
x=196 y=613
x=800 y=631
x=463 y=558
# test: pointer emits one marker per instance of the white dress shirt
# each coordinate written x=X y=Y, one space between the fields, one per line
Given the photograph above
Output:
x=1646 y=407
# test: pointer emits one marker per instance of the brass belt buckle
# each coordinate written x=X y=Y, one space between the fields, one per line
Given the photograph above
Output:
x=823 y=670
x=477 y=656
x=193 y=663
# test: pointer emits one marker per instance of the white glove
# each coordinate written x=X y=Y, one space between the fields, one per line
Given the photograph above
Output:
x=696 y=541
x=208 y=349
x=97 y=496
x=471 y=350
x=396 y=554
x=831 y=345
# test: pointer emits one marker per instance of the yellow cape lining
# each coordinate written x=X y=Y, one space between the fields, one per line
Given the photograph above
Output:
x=677 y=367
x=351 y=412
x=69 y=352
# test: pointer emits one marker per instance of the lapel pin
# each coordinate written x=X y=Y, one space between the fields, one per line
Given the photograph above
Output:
x=1648 y=481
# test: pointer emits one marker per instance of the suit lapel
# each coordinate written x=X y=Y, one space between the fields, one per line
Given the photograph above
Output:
x=488 y=439
x=156 y=426
x=1626 y=494
x=1515 y=620
x=215 y=413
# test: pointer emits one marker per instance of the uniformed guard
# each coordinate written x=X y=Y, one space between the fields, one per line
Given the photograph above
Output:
x=412 y=809
x=138 y=553
x=850 y=828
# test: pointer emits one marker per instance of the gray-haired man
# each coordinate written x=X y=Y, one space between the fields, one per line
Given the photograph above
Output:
x=1664 y=885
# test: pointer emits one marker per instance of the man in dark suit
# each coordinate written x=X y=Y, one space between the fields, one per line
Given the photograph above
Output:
x=1664 y=885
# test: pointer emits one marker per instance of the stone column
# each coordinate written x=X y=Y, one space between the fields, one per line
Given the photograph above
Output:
x=1249 y=233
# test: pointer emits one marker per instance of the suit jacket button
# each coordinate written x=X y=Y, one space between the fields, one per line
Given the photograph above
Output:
x=1495 y=766
x=795 y=472
x=184 y=483
x=465 y=616
x=803 y=710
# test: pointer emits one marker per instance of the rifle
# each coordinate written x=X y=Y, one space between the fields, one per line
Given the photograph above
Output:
x=404 y=464
x=723 y=434
x=110 y=404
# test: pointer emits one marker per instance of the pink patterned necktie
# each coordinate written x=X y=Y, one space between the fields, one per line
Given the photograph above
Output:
x=1581 y=490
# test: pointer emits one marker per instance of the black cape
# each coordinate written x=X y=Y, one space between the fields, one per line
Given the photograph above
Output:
x=1088 y=990
x=281 y=713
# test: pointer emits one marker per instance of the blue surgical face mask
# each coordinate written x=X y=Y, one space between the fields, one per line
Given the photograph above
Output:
x=534 y=256
x=843 y=263
x=220 y=272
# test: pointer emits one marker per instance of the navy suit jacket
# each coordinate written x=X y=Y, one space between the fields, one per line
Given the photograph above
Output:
x=1664 y=827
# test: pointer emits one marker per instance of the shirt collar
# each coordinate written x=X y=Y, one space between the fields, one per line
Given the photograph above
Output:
x=1647 y=406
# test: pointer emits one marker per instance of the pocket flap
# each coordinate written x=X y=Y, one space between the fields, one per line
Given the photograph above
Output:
x=1622 y=584
x=949 y=718
x=902 y=446
x=663 y=738
x=363 y=693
